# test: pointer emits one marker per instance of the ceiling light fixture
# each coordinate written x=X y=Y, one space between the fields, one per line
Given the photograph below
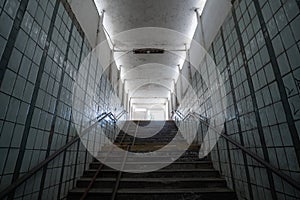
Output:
x=148 y=51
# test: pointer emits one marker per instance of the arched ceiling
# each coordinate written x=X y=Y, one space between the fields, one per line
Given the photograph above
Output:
x=122 y=15
x=149 y=76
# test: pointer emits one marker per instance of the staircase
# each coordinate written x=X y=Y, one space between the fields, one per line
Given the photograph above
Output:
x=188 y=178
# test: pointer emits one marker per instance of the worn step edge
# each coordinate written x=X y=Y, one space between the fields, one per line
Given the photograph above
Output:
x=176 y=163
x=162 y=170
x=157 y=179
x=155 y=191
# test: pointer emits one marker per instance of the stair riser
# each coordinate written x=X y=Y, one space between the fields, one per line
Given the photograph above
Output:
x=77 y=196
x=166 y=152
x=188 y=196
x=107 y=174
x=167 y=196
x=157 y=174
x=186 y=178
x=180 y=160
x=142 y=146
x=166 y=159
x=97 y=184
x=172 y=166
x=157 y=137
x=172 y=174
x=144 y=140
x=157 y=185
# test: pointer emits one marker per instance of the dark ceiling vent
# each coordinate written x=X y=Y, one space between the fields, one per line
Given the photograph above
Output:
x=148 y=51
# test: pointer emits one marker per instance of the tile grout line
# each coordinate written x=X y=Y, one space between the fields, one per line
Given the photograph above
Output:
x=254 y=104
x=12 y=38
x=34 y=99
x=280 y=83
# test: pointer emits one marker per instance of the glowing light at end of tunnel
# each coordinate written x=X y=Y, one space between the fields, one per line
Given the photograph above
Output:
x=140 y=109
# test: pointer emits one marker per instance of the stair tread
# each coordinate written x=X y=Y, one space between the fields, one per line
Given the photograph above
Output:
x=155 y=179
x=163 y=170
x=156 y=190
x=188 y=176
x=185 y=163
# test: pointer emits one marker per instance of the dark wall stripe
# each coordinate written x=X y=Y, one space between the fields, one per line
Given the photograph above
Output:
x=254 y=102
x=76 y=162
x=217 y=146
x=225 y=128
x=63 y=164
x=78 y=143
x=73 y=17
x=70 y=124
x=219 y=159
x=237 y=117
x=3 y=4
x=280 y=83
x=53 y=123
x=12 y=38
x=298 y=2
x=4 y=62
x=86 y=151
x=34 y=98
x=230 y=161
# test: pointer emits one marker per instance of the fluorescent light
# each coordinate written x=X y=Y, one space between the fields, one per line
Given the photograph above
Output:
x=201 y=6
x=99 y=6
x=194 y=20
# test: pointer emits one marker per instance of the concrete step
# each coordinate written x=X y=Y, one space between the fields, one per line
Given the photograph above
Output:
x=186 y=157
x=145 y=148
x=176 y=165
x=155 y=194
x=153 y=183
x=158 y=137
x=150 y=148
x=158 y=144
x=186 y=178
x=116 y=151
x=168 y=173
x=164 y=158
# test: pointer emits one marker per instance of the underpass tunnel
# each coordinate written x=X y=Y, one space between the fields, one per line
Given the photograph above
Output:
x=79 y=78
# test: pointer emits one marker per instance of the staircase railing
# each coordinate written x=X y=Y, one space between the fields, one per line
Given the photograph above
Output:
x=93 y=180
x=39 y=166
x=204 y=120
x=121 y=114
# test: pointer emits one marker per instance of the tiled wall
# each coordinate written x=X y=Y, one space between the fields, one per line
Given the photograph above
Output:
x=41 y=47
x=257 y=53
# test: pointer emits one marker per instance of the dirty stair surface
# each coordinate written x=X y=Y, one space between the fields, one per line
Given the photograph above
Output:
x=187 y=178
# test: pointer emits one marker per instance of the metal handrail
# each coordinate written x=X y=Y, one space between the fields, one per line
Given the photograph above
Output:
x=115 y=190
x=121 y=114
x=84 y=195
x=183 y=118
x=39 y=166
x=179 y=114
x=266 y=164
